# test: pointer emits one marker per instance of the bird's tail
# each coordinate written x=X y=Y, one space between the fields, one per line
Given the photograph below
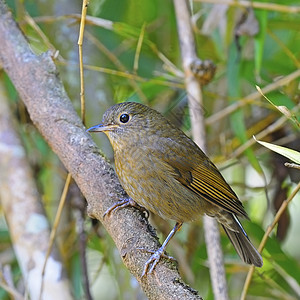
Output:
x=242 y=244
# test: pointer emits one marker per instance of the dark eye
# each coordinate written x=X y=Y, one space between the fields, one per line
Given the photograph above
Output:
x=124 y=118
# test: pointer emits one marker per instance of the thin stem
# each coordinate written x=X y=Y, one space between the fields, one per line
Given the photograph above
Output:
x=114 y=59
x=55 y=226
x=194 y=92
x=138 y=49
x=126 y=75
x=259 y=5
x=253 y=96
x=80 y=41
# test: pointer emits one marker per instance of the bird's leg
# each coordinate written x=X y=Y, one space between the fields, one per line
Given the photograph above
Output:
x=125 y=202
x=157 y=255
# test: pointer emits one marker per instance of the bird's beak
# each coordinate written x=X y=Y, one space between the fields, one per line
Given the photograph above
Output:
x=102 y=127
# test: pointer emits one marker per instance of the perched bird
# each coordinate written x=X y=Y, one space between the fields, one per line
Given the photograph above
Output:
x=164 y=171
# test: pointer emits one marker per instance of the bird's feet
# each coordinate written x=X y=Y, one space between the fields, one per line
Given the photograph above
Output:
x=126 y=202
x=154 y=260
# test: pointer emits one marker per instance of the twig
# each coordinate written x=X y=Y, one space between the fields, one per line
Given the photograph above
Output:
x=54 y=228
x=82 y=236
x=188 y=54
x=291 y=165
x=282 y=208
x=253 y=96
x=82 y=250
x=107 y=24
x=126 y=75
x=271 y=128
x=138 y=49
x=80 y=40
x=282 y=108
x=15 y=294
x=41 y=34
x=114 y=59
x=285 y=48
x=259 y=5
x=38 y=30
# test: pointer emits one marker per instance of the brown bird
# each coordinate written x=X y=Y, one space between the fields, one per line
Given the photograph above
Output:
x=164 y=171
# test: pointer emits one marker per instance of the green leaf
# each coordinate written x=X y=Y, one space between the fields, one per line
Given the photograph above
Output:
x=289 y=153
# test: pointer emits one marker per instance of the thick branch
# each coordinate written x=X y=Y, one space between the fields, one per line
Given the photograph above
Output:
x=38 y=84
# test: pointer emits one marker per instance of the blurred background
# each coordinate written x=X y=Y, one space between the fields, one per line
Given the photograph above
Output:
x=131 y=52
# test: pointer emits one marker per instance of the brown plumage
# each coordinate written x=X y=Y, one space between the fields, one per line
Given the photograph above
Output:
x=164 y=171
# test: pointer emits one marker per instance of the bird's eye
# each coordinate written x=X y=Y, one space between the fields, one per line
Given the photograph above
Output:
x=124 y=118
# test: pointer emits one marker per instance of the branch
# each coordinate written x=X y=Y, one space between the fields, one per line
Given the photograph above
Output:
x=256 y=5
x=38 y=84
x=188 y=53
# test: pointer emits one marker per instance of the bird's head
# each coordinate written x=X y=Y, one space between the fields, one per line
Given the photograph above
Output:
x=129 y=121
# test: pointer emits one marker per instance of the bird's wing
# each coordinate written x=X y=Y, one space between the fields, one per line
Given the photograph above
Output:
x=202 y=177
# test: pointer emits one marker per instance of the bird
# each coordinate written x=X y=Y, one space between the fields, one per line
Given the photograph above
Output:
x=164 y=171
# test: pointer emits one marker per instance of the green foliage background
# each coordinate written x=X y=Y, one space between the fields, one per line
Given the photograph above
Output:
x=261 y=59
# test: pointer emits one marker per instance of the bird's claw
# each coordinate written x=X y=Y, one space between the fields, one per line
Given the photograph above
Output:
x=126 y=202
x=154 y=260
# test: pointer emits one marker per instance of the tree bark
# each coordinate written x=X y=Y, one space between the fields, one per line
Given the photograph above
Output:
x=39 y=86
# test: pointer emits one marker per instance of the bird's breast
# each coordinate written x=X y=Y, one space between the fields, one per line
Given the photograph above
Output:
x=150 y=182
